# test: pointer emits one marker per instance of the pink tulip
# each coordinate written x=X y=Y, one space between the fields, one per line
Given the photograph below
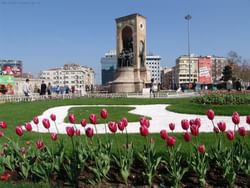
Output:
x=70 y=131
x=187 y=137
x=144 y=131
x=40 y=144
x=210 y=114
x=242 y=131
x=248 y=119
x=125 y=121
x=93 y=119
x=28 y=126
x=19 y=131
x=236 y=118
x=72 y=118
x=53 y=136
x=3 y=124
x=163 y=134
x=104 y=113
x=36 y=120
x=171 y=126
x=46 y=123
x=222 y=126
x=194 y=130
x=83 y=122
x=230 y=135
x=197 y=122
x=78 y=132
x=121 y=126
x=216 y=130
x=185 y=124
x=53 y=117
x=171 y=140
x=89 y=132
x=112 y=126
x=1 y=133
x=142 y=121
x=201 y=148
x=191 y=122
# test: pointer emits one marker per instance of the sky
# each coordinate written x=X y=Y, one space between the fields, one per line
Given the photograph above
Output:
x=46 y=34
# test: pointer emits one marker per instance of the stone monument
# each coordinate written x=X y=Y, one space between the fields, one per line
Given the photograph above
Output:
x=131 y=74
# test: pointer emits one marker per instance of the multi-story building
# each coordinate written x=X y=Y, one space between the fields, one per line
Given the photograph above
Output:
x=218 y=64
x=108 y=66
x=70 y=75
x=153 y=63
x=167 y=78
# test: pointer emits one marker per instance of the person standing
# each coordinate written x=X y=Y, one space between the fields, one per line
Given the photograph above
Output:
x=43 y=88
x=49 y=90
x=26 y=88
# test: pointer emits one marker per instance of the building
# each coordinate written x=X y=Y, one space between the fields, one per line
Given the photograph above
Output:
x=11 y=67
x=75 y=76
x=218 y=64
x=153 y=64
x=167 y=78
x=108 y=66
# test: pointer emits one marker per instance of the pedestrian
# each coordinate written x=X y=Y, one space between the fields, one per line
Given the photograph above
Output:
x=49 y=90
x=26 y=88
x=43 y=89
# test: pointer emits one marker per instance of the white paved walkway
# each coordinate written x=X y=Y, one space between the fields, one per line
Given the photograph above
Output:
x=160 y=119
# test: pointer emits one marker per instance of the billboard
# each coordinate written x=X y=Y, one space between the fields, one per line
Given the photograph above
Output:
x=7 y=84
x=13 y=68
x=205 y=70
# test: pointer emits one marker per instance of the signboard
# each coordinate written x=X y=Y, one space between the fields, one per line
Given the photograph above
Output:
x=7 y=84
x=205 y=70
x=14 y=69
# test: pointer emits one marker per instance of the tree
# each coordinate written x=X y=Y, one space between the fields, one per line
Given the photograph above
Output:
x=227 y=73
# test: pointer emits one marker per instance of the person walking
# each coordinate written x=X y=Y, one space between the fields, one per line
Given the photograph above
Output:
x=49 y=90
x=43 y=89
x=26 y=88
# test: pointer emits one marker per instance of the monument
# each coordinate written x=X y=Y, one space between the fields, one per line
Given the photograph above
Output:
x=131 y=74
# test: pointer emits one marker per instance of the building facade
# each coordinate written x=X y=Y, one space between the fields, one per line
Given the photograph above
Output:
x=75 y=76
x=154 y=66
x=167 y=78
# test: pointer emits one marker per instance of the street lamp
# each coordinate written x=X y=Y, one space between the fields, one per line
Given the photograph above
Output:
x=188 y=18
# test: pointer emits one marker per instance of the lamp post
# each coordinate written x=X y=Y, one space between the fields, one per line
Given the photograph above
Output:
x=188 y=18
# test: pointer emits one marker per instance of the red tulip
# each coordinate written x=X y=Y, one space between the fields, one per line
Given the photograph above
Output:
x=40 y=144
x=83 y=122
x=3 y=124
x=28 y=126
x=163 y=134
x=191 y=122
x=194 y=130
x=236 y=118
x=36 y=120
x=197 y=122
x=53 y=117
x=171 y=126
x=242 y=131
x=93 y=119
x=201 y=148
x=1 y=134
x=19 y=131
x=78 y=132
x=5 y=176
x=222 y=126
x=46 y=123
x=72 y=118
x=89 y=132
x=125 y=121
x=210 y=114
x=53 y=136
x=248 y=119
x=121 y=125
x=112 y=126
x=171 y=140
x=142 y=121
x=70 y=131
x=144 y=131
x=185 y=124
x=187 y=137
x=230 y=135
x=216 y=130
x=104 y=113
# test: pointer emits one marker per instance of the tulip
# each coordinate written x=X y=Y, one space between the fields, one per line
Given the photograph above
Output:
x=104 y=113
x=171 y=140
x=78 y=132
x=185 y=124
x=83 y=122
x=53 y=136
x=53 y=117
x=248 y=119
x=144 y=131
x=191 y=122
x=1 y=134
x=216 y=130
x=163 y=134
x=197 y=122
x=210 y=114
x=40 y=144
x=121 y=126
x=222 y=126
x=194 y=130
x=112 y=126
x=171 y=126
x=93 y=119
x=19 y=131
x=5 y=176
x=242 y=131
x=201 y=148
x=72 y=118
x=230 y=135
x=70 y=131
x=46 y=123
x=89 y=132
x=125 y=121
x=23 y=150
x=36 y=120
x=28 y=126
x=142 y=121
x=3 y=124
x=236 y=118
x=187 y=137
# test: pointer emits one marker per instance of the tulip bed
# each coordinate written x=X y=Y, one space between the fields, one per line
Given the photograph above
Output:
x=189 y=159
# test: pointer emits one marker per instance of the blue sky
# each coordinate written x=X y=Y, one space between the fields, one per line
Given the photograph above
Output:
x=49 y=33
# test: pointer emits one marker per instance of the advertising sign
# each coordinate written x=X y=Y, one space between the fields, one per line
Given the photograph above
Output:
x=205 y=70
x=7 y=84
x=14 y=69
